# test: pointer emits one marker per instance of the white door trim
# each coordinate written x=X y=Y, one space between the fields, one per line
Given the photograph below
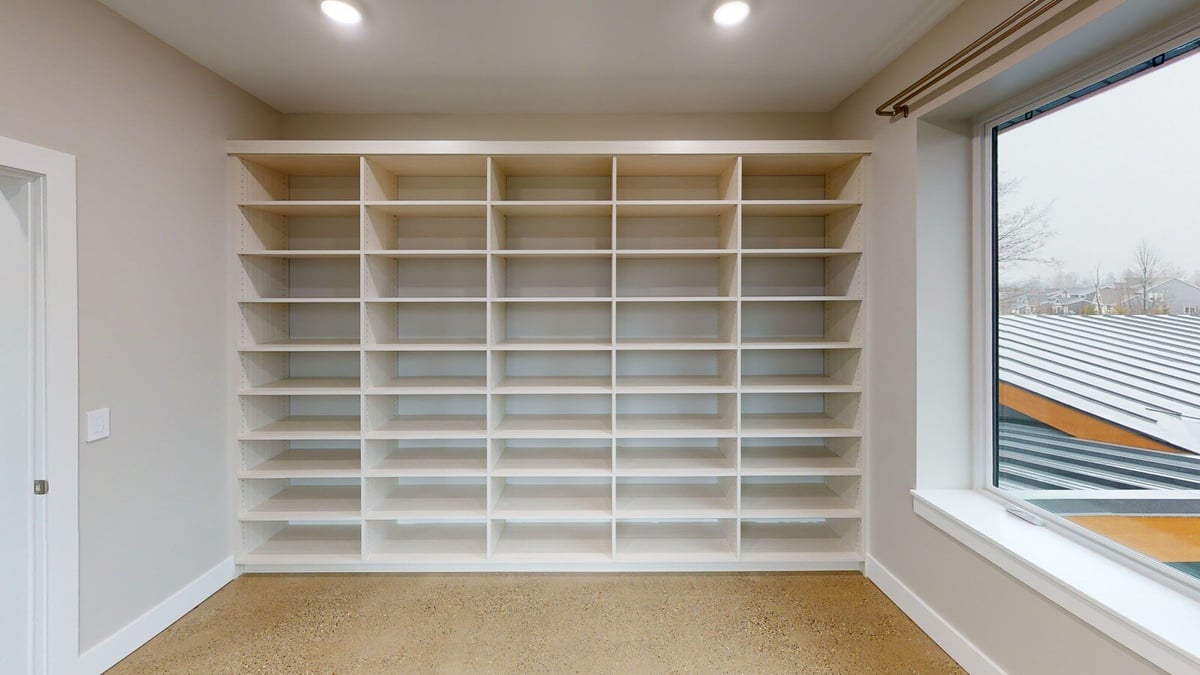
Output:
x=56 y=588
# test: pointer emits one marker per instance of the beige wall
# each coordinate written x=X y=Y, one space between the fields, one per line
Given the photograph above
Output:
x=919 y=274
x=765 y=126
x=147 y=126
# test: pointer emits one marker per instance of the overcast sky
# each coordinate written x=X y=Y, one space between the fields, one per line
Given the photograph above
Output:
x=1117 y=168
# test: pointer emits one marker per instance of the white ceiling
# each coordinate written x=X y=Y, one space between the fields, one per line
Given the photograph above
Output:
x=544 y=56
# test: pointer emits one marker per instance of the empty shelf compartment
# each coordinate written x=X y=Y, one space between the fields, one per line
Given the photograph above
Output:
x=449 y=416
x=306 y=373
x=428 y=229
x=831 y=227
x=552 y=325
x=426 y=178
x=414 y=372
x=800 y=497
x=262 y=230
x=426 y=542
x=801 y=370
x=301 y=499
x=676 y=325
x=829 y=540
x=552 y=542
x=792 y=414
x=800 y=456
x=676 y=457
x=676 y=497
x=416 y=277
x=802 y=177
x=427 y=457
x=299 y=417
x=265 y=278
x=287 y=326
x=546 y=499
x=799 y=322
x=676 y=415
x=299 y=459
x=427 y=498
x=285 y=542
x=548 y=277
x=676 y=228
x=667 y=177
x=415 y=324
x=300 y=177
x=535 y=372
x=683 y=540
x=551 y=416
x=787 y=276
x=575 y=178
x=677 y=277
x=665 y=371
x=532 y=232
x=552 y=457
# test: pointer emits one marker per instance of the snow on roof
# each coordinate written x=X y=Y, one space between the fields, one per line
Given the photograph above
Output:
x=1138 y=372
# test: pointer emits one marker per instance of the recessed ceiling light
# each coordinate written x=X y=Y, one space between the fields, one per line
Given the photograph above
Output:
x=341 y=11
x=731 y=13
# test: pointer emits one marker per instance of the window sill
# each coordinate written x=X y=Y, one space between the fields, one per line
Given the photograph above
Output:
x=1149 y=618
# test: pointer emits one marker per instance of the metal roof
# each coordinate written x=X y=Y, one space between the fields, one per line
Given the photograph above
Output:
x=1038 y=458
x=1139 y=372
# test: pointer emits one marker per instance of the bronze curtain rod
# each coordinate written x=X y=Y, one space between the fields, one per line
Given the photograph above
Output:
x=1005 y=29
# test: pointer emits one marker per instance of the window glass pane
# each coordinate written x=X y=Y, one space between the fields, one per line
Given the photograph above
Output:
x=1097 y=258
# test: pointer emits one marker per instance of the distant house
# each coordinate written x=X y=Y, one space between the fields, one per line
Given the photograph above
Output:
x=1173 y=296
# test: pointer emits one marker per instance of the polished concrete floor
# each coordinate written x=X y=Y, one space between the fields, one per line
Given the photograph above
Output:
x=544 y=623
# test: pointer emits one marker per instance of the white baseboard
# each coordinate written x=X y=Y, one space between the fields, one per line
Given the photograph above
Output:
x=945 y=635
x=123 y=643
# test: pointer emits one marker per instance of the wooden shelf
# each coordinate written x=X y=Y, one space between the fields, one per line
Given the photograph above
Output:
x=431 y=385
x=554 y=502
x=308 y=544
x=785 y=541
x=554 y=542
x=674 y=461
x=553 y=426
x=432 y=426
x=558 y=462
x=795 y=500
x=426 y=542
x=310 y=427
x=307 y=502
x=299 y=386
x=308 y=463
x=698 y=541
x=433 y=502
x=643 y=360
x=673 y=500
x=796 y=425
x=431 y=462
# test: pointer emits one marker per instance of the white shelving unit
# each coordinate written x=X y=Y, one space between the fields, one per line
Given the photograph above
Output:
x=508 y=356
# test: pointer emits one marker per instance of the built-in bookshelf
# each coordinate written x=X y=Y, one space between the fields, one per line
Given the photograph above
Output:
x=535 y=356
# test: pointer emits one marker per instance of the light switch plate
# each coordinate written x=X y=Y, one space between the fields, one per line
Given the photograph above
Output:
x=97 y=424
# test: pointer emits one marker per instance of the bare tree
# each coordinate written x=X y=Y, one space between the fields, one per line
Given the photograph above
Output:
x=1147 y=271
x=1098 y=290
x=1021 y=232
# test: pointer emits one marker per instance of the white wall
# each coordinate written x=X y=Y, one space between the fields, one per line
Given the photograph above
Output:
x=920 y=321
x=147 y=126
x=684 y=126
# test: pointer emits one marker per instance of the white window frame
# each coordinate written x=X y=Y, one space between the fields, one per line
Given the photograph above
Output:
x=1146 y=606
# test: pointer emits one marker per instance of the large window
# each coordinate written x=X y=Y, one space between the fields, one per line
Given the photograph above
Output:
x=1096 y=202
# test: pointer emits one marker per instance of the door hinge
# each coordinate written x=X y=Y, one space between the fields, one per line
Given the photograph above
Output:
x=41 y=487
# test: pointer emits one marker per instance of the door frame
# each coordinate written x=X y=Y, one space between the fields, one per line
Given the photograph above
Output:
x=54 y=585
